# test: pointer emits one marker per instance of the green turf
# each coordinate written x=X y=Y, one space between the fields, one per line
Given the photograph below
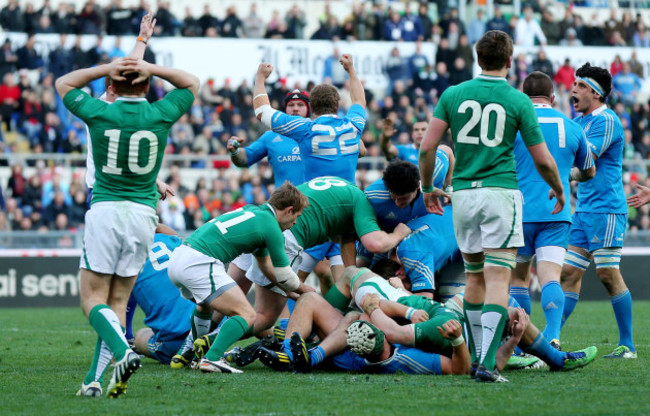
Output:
x=45 y=353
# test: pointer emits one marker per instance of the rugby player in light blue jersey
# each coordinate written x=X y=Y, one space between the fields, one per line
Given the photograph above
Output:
x=329 y=145
x=600 y=218
x=283 y=152
x=545 y=234
x=411 y=152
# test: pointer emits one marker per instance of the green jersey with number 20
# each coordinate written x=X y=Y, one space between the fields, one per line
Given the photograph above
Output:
x=335 y=207
x=484 y=115
x=128 y=141
x=251 y=229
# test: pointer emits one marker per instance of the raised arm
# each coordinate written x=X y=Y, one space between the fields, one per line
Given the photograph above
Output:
x=387 y=147
x=147 y=24
x=238 y=156
x=357 y=94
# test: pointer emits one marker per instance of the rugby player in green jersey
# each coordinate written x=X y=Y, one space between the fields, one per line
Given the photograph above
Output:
x=197 y=267
x=129 y=139
x=484 y=115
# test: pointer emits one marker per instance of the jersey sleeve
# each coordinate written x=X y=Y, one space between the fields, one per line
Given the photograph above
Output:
x=601 y=134
x=357 y=116
x=418 y=266
x=175 y=104
x=440 y=169
x=258 y=149
x=295 y=127
x=583 y=159
x=275 y=246
x=83 y=105
x=365 y=220
x=528 y=125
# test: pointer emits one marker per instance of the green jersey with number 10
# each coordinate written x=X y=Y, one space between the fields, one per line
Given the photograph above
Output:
x=251 y=229
x=128 y=141
x=335 y=207
x=484 y=115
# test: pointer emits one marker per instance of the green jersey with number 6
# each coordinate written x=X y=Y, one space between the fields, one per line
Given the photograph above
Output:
x=128 y=141
x=335 y=207
x=251 y=229
x=484 y=115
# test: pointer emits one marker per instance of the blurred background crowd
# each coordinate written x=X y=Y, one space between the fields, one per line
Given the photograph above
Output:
x=35 y=122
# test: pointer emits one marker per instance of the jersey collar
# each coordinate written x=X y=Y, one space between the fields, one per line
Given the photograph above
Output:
x=599 y=110
x=272 y=209
x=491 y=78
x=539 y=105
x=133 y=99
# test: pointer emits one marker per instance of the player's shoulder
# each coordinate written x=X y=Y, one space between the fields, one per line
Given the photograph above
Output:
x=171 y=241
x=377 y=192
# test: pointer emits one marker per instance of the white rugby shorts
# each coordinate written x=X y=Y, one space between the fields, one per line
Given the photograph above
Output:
x=294 y=253
x=117 y=237
x=199 y=277
x=488 y=218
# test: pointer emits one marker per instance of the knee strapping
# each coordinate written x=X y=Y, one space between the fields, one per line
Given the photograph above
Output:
x=607 y=258
x=500 y=259
x=473 y=266
x=577 y=260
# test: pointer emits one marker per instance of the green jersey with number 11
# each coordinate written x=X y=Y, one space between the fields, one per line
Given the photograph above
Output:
x=128 y=141
x=335 y=207
x=251 y=229
x=484 y=115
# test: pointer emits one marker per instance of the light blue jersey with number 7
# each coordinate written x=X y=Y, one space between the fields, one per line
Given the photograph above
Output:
x=329 y=145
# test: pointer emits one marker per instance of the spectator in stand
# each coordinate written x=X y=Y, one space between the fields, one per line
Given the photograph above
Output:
x=644 y=146
x=616 y=66
x=395 y=69
x=593 y=33
x=626 y=86
x=207 y=20
x=453 y=36
x=451 y=16
x=565 y=75
x=550 y=27
x=171 y=213
x=568 y=21
x=51 y=136
x=528 y=30
x=44 y=25
x=296 y=22
x=60 y=59
x=464 y=51
x=33 y=193
x=541 y=63
x=612 y=25
x=425 y=20
x=411 y=25
x=17 y=182
x=571 y=38
x=641 y=38
x=8 y=58
x=476 y=27
x=461 y=73
x=89 y=22
x=118 y=19
x=628 y=27
x=64 y=18
x=377 y=21
x=328 y=30
x=445 y=54
x=54 y=208
x=498 y=22
x=442 y=80
x=191 y=26
x=281 y=31
x=333 y=70
x=28 y=58
x=166 y=22
x=231 y=25
x=9 y=99
x=30 y=18
x=635 y=65
x=617 y=39
x=254 y=26
x=416 y=63
x=11 y=17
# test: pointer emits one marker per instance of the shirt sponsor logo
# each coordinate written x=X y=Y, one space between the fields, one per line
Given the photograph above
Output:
x=289 y=158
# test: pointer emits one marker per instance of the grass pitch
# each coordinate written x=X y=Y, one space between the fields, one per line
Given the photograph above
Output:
x=45 y=353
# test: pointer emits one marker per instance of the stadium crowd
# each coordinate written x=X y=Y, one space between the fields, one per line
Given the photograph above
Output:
x=35 y=121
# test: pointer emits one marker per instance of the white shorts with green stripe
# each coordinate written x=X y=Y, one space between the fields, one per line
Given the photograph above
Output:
x=117 y=237
x=294 y=253
x=199 y=277
x=488 y=218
